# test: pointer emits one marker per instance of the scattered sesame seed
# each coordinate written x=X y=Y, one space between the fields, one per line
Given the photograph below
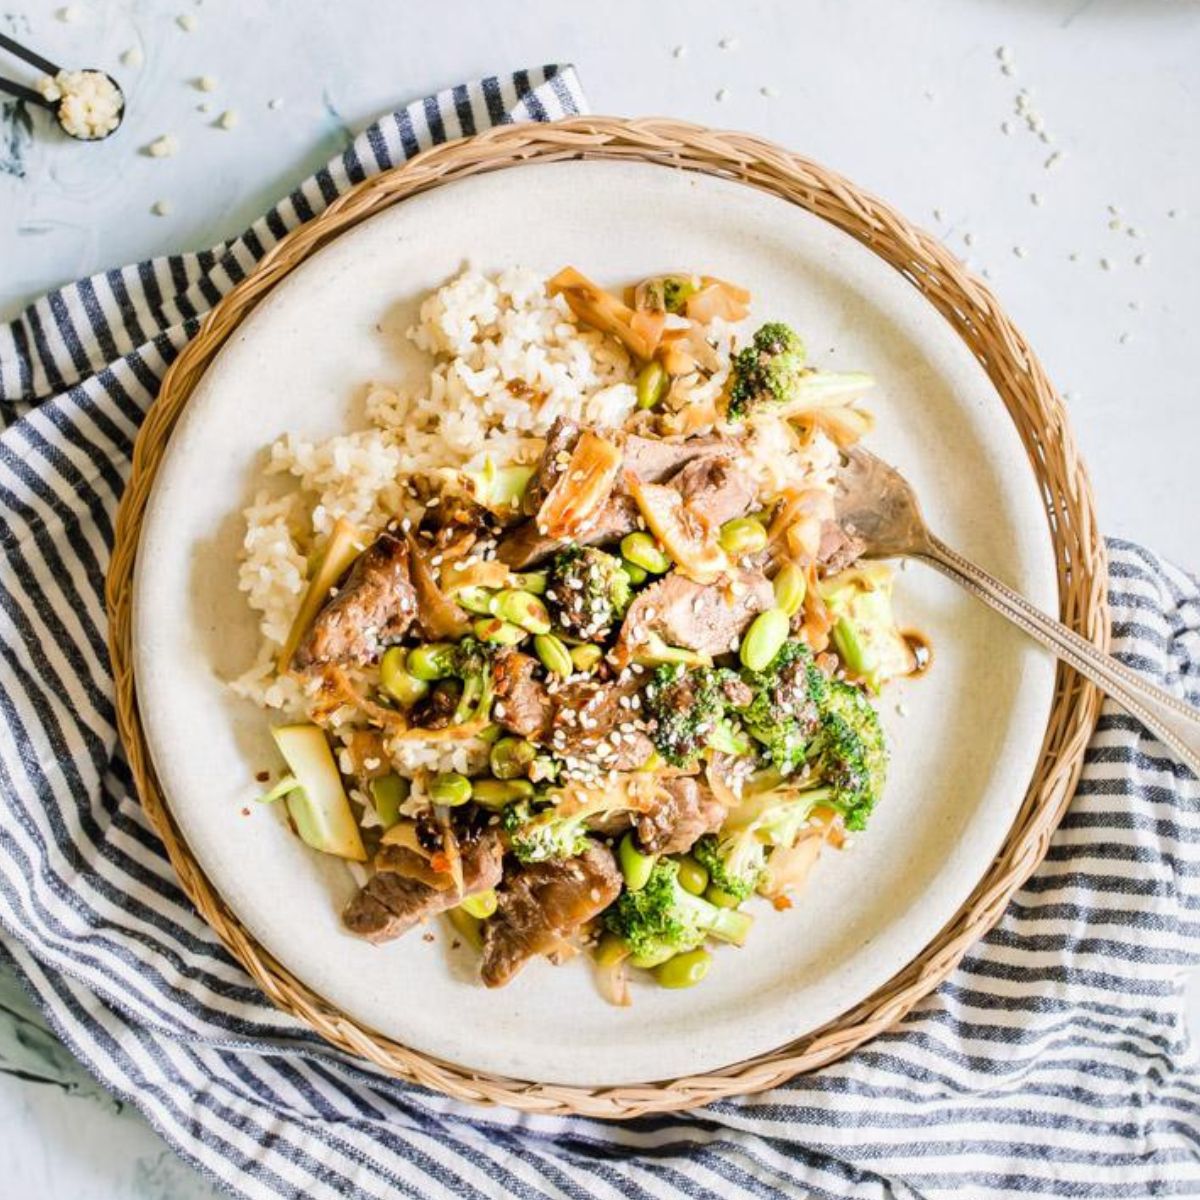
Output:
x=1006 y=68
x=1106 y=264
x=1035 y=200
x=1115 y=224
x=203 y=106
x=986 y=272
x=187 y=22
x=969 y=238
x=1115 y=210
x=228 y=119
x=1123 y=338
x=163 y=147
x=1053 y=160
x=1135 y=305
x=1020 y=251
x=1139 y=260
x=728 y=43
x=1172 y=213
x=902 y=710
x=133 y=57
x=206 y=83
x=69 y=14
x=1004 y=54
x=161 y=208
x=1073 y=256
x=723 y=94
x=1133 y=232
x=937 y=214
x=679 y=51
x=275 y=104
x=1005 y=127
x=767 y=90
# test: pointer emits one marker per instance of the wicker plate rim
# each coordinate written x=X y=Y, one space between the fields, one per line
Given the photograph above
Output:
x=1032 y=403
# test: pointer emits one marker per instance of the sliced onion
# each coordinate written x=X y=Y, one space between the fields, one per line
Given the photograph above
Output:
x=440 y=618
x=601 y=310
x=716 y=298
x=582 y=489
x=613 y=982
x=844 y=425
x=687 y=539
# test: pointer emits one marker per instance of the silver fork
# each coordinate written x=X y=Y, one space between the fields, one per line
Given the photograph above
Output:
x=878 y=504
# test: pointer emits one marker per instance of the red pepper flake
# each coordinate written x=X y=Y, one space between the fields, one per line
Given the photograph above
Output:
x=245 y=812
x=427 y=937
x=454 y=945
x=782 y=903
x=263 y=776
x=440 y=862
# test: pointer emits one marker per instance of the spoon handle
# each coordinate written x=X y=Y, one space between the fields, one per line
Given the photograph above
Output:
x=23 y=93
x=30 y=56
x=1174 y=723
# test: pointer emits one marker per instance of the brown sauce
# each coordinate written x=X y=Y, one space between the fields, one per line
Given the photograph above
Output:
x=922 y=650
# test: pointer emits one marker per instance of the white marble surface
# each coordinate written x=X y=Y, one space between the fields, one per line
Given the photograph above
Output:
x=908 y=99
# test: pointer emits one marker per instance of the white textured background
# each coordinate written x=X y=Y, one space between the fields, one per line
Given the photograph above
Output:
x=905 y=97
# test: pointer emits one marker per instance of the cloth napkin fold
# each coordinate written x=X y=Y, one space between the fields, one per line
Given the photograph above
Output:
x=1054 y=1062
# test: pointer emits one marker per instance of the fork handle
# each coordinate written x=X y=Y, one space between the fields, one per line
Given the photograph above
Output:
x=1175 y=724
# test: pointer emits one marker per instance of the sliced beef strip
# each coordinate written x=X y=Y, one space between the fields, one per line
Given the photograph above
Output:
x=374 y=606
x=715 y=489
x=543 y=903
x=651 y=459
x=687 y=812
x=392 y=903
x=588 y=716
x=707 y=618
x=560 y=441
x=838 y=548
x=523 y=705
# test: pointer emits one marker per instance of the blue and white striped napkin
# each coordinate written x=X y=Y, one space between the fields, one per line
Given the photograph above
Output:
x=1053 y=1063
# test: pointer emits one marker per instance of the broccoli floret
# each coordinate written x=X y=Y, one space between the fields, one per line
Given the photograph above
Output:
x=664 y=919
x=473 y=663
x=588 y=591
x=785 y=712
x=851 y=755
x=541 y=835
x=689 y=710
x=767 y=371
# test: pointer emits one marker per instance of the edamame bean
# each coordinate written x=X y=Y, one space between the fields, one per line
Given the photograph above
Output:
x=430 y=662
x=450 y=789
x=553 y=654
x=406 y=689
x=585 y=657
x=511 y=756
x=635 y=865
x=643 y=551
x=722 y=899
x=684 y=970
x=742 y=536
x=763 y=639
x=498 y=632
x=652 y=384
x=475 y=600
x=388 y=793
x=523 y=609
x=481 y=905
x=692 y=876
x=791 y=585
x=531 y=581
x=637 y=575
x=496 y=793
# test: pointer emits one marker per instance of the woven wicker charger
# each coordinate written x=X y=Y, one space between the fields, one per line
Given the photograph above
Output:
x=1018 y=377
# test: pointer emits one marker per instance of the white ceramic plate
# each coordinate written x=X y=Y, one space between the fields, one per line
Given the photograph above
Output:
x=963 y=754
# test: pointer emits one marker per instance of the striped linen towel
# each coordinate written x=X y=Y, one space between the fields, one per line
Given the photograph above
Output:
x=1053 y=1063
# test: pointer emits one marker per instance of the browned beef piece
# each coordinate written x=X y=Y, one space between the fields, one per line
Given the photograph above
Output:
x=392 y=903
x=374 y=606
x=838 y=549
x=523 y=705
x=524 y=546
x=651 y=459
x=589 y=719
x=560 y=441
x=707 y=618
x=543 y=903
x=715 y=489
x=687 y=812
